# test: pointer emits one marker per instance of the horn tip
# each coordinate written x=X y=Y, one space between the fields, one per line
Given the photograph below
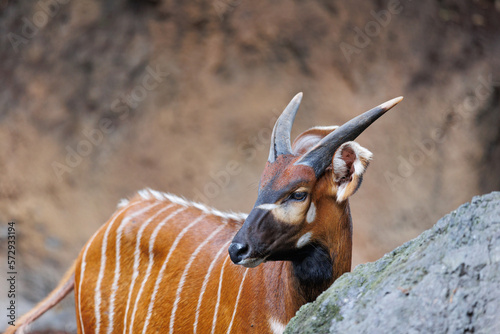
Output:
x=298 y=97
x=391 y=103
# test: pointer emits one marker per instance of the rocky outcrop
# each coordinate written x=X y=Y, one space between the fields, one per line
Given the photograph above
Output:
x=444 y=281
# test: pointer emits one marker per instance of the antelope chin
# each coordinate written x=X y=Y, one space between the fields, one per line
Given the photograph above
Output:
x=251 y=262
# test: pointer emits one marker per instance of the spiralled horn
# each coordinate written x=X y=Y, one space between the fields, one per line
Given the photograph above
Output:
x=280 y=139
x=320 y=156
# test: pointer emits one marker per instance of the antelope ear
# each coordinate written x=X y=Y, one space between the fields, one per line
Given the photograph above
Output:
x=307 y=139
x=349 y=164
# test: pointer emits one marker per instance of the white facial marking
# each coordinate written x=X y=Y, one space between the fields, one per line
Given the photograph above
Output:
x=285 y=212
x=268 y=206
x=304 y=240
x=276 y=326
x=311 y=214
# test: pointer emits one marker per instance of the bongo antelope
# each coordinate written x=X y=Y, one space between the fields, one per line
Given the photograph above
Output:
x=161 y=263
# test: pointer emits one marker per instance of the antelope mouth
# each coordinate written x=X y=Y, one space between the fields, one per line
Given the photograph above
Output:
x=242 y=254
x=251 y=262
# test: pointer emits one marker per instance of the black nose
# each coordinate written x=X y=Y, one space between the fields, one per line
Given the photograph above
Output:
x=237 y=252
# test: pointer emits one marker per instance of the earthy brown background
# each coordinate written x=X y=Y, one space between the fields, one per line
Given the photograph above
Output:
x=67 y=68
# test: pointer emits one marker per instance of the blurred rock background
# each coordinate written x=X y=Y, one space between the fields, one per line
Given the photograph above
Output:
x=99 y=99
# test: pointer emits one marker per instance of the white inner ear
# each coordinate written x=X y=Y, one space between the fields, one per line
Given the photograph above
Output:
x=339 y=165
x=363 y=157
x=344 y=174
x=361 y=160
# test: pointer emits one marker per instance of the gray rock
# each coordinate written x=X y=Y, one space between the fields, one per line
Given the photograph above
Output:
x=444 y=281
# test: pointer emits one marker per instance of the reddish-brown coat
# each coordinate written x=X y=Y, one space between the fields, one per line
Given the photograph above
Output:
x=269 y=291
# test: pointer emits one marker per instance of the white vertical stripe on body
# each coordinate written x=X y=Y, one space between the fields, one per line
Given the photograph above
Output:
x=137 y=260
x=82 y=273
x=184 y=275
x=205 y=283
x=237 y=301
x=164 y=267
x=150 y=264
x=214 y=321
x=114 y=286
x=97 y=296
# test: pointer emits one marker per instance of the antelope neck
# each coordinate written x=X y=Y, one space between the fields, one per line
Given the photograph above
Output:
x=317 y=265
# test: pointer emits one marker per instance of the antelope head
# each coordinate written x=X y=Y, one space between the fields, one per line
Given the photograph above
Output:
x=304 y=188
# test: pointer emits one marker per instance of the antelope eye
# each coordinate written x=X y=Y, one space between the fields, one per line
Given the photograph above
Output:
x=298 y=196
